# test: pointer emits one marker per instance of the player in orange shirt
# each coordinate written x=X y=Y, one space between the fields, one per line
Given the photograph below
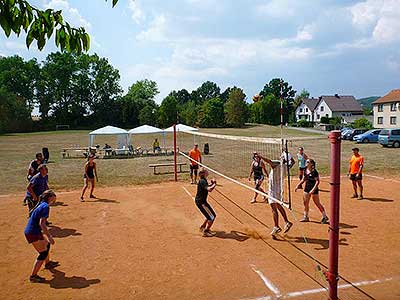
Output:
x=355 y=172
x=196 y=155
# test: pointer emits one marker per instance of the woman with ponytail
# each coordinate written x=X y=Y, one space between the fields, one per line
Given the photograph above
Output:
x=34 y=231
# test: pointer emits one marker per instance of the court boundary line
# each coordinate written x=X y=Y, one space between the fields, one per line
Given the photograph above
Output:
x=317 y=291
x=268 y=283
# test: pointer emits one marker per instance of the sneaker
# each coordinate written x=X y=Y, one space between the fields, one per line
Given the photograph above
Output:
x=82 y=200
x=48 y=223
x=276 y=230
x=201 y=228
x=93 y=196
x=51 y=265
x=253 y=201
x=325 y=220
x=287 y=227
x=208 y=233
x=354 y=196
x=36 y=279
x=305 y=219
x=360 y=197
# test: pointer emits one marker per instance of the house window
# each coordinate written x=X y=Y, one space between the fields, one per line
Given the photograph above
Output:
x=392 y=120
x=318 y=116
x=392 y=106
x=306 y=109
x=301 y=110
x=380 y=107
x=322 y=108
x=380 y=120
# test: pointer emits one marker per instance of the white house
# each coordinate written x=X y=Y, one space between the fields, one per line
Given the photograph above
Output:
x=337 y=106
x=387 y=110
x=305 y=110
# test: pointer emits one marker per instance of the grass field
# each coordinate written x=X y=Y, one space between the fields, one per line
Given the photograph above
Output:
x=17 y=150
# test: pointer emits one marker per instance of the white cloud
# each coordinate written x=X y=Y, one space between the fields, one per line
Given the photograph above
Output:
x=70 y=14
x=380 y=18
x=306 y=33
x=138 y=14
x=277 y=9
x=156 y=31
x=15 y=45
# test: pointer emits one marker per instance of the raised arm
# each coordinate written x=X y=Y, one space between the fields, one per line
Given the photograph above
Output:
x=267 y=160
x=264 y=168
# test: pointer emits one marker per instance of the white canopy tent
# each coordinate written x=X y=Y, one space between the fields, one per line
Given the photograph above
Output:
x=180 y=127
x=122 y=135
x=145 y=129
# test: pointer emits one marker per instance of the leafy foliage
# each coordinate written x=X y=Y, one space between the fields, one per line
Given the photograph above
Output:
x=362 y=123
x=236 y=108
x=39 y=25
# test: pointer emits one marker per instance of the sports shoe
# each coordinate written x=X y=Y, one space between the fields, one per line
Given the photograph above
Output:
x=360 y=197
x=208 y=233
x=253 y=201
x=325 y=220
x=36 y=279
x=82 y=200
x=276 y=230
x=201 y=228
x=265 y=199
x=305 y=219
x=354 y=196
x=287 y=227
x=93 y=196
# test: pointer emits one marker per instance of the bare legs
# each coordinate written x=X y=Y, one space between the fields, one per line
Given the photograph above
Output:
x=40 y=246
x=85 y=186
x=306 y=201
x=360 y=186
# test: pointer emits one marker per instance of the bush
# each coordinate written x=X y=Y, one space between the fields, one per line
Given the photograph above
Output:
x=362 y=123
x=304 y=123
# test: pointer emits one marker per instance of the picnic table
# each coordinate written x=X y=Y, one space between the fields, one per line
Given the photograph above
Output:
x=155 y=166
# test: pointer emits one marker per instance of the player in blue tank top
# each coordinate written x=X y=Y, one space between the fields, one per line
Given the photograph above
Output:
x=301 y=159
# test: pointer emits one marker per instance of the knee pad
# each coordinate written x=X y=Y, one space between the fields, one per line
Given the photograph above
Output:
x=42 y=255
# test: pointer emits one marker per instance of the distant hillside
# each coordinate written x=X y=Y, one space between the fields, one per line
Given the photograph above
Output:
x=366 y=102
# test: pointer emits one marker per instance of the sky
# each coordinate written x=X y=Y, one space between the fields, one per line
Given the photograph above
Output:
x=326 y=47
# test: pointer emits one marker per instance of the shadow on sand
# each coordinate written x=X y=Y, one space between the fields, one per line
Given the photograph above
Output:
x=324 y=243
x=59 y=203
x=100 y=200
x=377 y=199
x=59 y=232
x=234 y=235
x=60 y=281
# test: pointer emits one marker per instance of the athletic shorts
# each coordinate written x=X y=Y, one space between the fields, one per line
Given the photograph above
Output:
x=206 y=210
x=31 y=237
x=258 y=181
x=193 y=168
x=303 y=169
x=354 y=177
x=307 y=191
x=88 y=177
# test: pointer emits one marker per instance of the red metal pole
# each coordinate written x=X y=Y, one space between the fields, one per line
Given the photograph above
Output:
x=333 y=274
x=175 y=165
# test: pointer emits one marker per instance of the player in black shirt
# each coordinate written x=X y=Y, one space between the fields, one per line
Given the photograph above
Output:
x=256 y=169
x=201 y=202
x=311 y=178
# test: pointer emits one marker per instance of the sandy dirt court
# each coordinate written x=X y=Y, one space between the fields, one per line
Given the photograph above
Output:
x=143 y=243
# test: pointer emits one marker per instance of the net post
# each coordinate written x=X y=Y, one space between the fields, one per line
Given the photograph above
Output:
x=288 y=175
x=332 y=274
x=175 y=165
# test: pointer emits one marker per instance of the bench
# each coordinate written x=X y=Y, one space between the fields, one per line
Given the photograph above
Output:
x=155 y=166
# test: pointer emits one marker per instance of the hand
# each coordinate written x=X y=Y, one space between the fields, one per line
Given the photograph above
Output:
x=97 y=179
x=213 y=181
x=51 y=240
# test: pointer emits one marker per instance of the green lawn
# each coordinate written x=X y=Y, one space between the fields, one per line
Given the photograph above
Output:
x=233 y=158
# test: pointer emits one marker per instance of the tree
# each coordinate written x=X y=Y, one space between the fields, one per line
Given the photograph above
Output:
x=142 y=92
x=206 y=91
x=225 y=94
x=20 y=77
x=212 y=113
x=362 y=123
x=14 y=113
x=189 y=113
x=168 y=112
x=181 y=96
x=265 y=111
x=148 y=114
x=236 y=108
x=20 y=15
x=304 y=94
x=281 y=90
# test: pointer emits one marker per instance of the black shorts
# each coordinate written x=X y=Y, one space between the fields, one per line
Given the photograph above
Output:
x=307 y=191
x=354 y=177
x=88 y=177
x=258 y=181
x=193 y=168
x=206 y=210
x=303 y=169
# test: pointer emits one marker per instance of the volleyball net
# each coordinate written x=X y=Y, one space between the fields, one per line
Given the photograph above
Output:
x=230 y=157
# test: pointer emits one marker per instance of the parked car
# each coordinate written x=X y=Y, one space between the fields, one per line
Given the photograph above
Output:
x=345 y=129
x=390 y=137
x=350 y=134
x=344 y=132
x=370 y=136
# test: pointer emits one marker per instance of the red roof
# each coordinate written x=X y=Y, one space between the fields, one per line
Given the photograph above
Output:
x=393 y=96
